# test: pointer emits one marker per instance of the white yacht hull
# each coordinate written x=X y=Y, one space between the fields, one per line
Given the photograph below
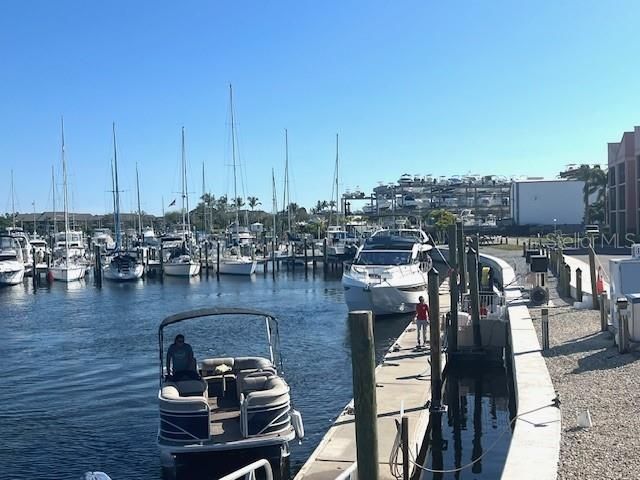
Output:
x=187 y=269
x=123 y=276
x=11 y=273
x=382 y=300
x=67 y=274
x=237 y=266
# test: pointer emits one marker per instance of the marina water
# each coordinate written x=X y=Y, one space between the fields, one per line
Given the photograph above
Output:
x=81 y=365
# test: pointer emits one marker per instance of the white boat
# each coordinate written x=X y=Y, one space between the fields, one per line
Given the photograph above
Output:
x=68 y=268
x=180 y=262
x=69 y=242
x=234 y=263
x=124 y=266
x=11 y=264
x=103 y=238
x=227 y=403
x=25 y=246
x=149 y=237
x=389 y=272
x=238 y=265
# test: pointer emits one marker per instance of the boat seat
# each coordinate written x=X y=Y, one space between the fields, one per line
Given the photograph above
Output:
x=274 y=391
x=250 y=363
x=209 y=365
x=185 y=388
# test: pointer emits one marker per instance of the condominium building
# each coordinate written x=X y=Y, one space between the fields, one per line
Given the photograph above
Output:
x=623 y=205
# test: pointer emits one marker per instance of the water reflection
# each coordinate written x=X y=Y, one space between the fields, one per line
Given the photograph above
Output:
x=480 y=407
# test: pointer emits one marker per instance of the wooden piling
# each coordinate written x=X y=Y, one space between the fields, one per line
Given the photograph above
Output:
x=364 y=393
x=604 y=324
x=325 y=265
x=406 y=470
x=98 y=266
x=567 y=280
x=306 y=267
x=461 y=259
x=293 y=257
x=218 y=260
x=206 y=257
x=434 y=340
x=545 y=329
x=578 y=285
x=161 y=261
x=313 y=255
x=34 y=274
x=453 y=289
x=472 y=265
x=273 y=257
x=592 y=272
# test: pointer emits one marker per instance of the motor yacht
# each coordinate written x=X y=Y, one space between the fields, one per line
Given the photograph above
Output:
x=389 y=272
x=11 y=263
x=25 y=245
x=226 y=404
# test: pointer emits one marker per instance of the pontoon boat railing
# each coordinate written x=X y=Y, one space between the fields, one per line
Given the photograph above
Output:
x=248 y=472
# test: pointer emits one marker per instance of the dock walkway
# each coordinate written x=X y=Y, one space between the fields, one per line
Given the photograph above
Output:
x=403 y=378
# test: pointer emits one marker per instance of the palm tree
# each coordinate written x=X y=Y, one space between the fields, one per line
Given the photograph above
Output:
x=595 y=182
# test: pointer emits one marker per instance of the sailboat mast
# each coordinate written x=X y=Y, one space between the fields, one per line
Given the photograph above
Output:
x=116 y=189
x=275 y=204
x=53 y=188
x=13 y=200
x=337 y=192
x=139 y=211
x=204 y=203
x=66 y=206
x=233 y=156
x=286 y=177
x=185 y=198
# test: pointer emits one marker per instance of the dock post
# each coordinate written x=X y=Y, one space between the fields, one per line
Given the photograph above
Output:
x=364 y=393
x=472 y=264
x=35 y=273
x=293 y=257
x=592 y=272
x=461 y=260
x=623 y=331
x=200 y=260
x=273 y=257
x=161 y=261
x=603 y=314
x=98 y=267
x=434 y=340
x=578 y=285
x=206 y=257
x=313 y=255
x=325 y=266
x=524 y=249
x=453 y=289
x=405 y=447
x=306 y=258
x=218 y=260
x=567 y=279
x=545 y=329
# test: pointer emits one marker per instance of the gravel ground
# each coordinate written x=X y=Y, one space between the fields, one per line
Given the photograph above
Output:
x=589 y=373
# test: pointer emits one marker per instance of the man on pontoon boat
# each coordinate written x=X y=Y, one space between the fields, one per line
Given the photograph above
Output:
x=180 y=359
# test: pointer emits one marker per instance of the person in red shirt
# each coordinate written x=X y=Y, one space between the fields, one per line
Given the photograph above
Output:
x=422 y=320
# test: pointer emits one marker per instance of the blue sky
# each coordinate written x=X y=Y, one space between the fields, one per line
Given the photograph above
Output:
x=488 y=87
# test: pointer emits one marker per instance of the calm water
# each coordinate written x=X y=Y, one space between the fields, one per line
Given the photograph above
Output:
x=81 y=365
x=476 y=428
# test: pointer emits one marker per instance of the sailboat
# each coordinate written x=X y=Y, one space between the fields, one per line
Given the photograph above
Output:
x=180 y=263
x=124 y=265
x=66 y=269
x=236 y=263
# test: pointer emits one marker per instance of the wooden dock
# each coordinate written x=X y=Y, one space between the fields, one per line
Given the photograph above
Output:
x=402 y=381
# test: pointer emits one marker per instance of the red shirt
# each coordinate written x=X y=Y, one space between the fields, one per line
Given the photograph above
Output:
x=422 y=311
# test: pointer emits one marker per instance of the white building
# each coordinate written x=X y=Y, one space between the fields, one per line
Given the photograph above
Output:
x=547 y=202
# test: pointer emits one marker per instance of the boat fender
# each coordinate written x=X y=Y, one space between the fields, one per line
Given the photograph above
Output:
x=296 y=421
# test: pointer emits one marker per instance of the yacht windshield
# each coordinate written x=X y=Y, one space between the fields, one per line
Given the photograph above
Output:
x=6 y=243
x=383 y=258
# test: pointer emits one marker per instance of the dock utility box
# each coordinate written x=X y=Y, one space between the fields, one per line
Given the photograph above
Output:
x=625 y=283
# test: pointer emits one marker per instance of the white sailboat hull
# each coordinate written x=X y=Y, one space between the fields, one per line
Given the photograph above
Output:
x=186 y=269
x=112 y=273
x=64 y=273
x=11 y=273
x=240 y=266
